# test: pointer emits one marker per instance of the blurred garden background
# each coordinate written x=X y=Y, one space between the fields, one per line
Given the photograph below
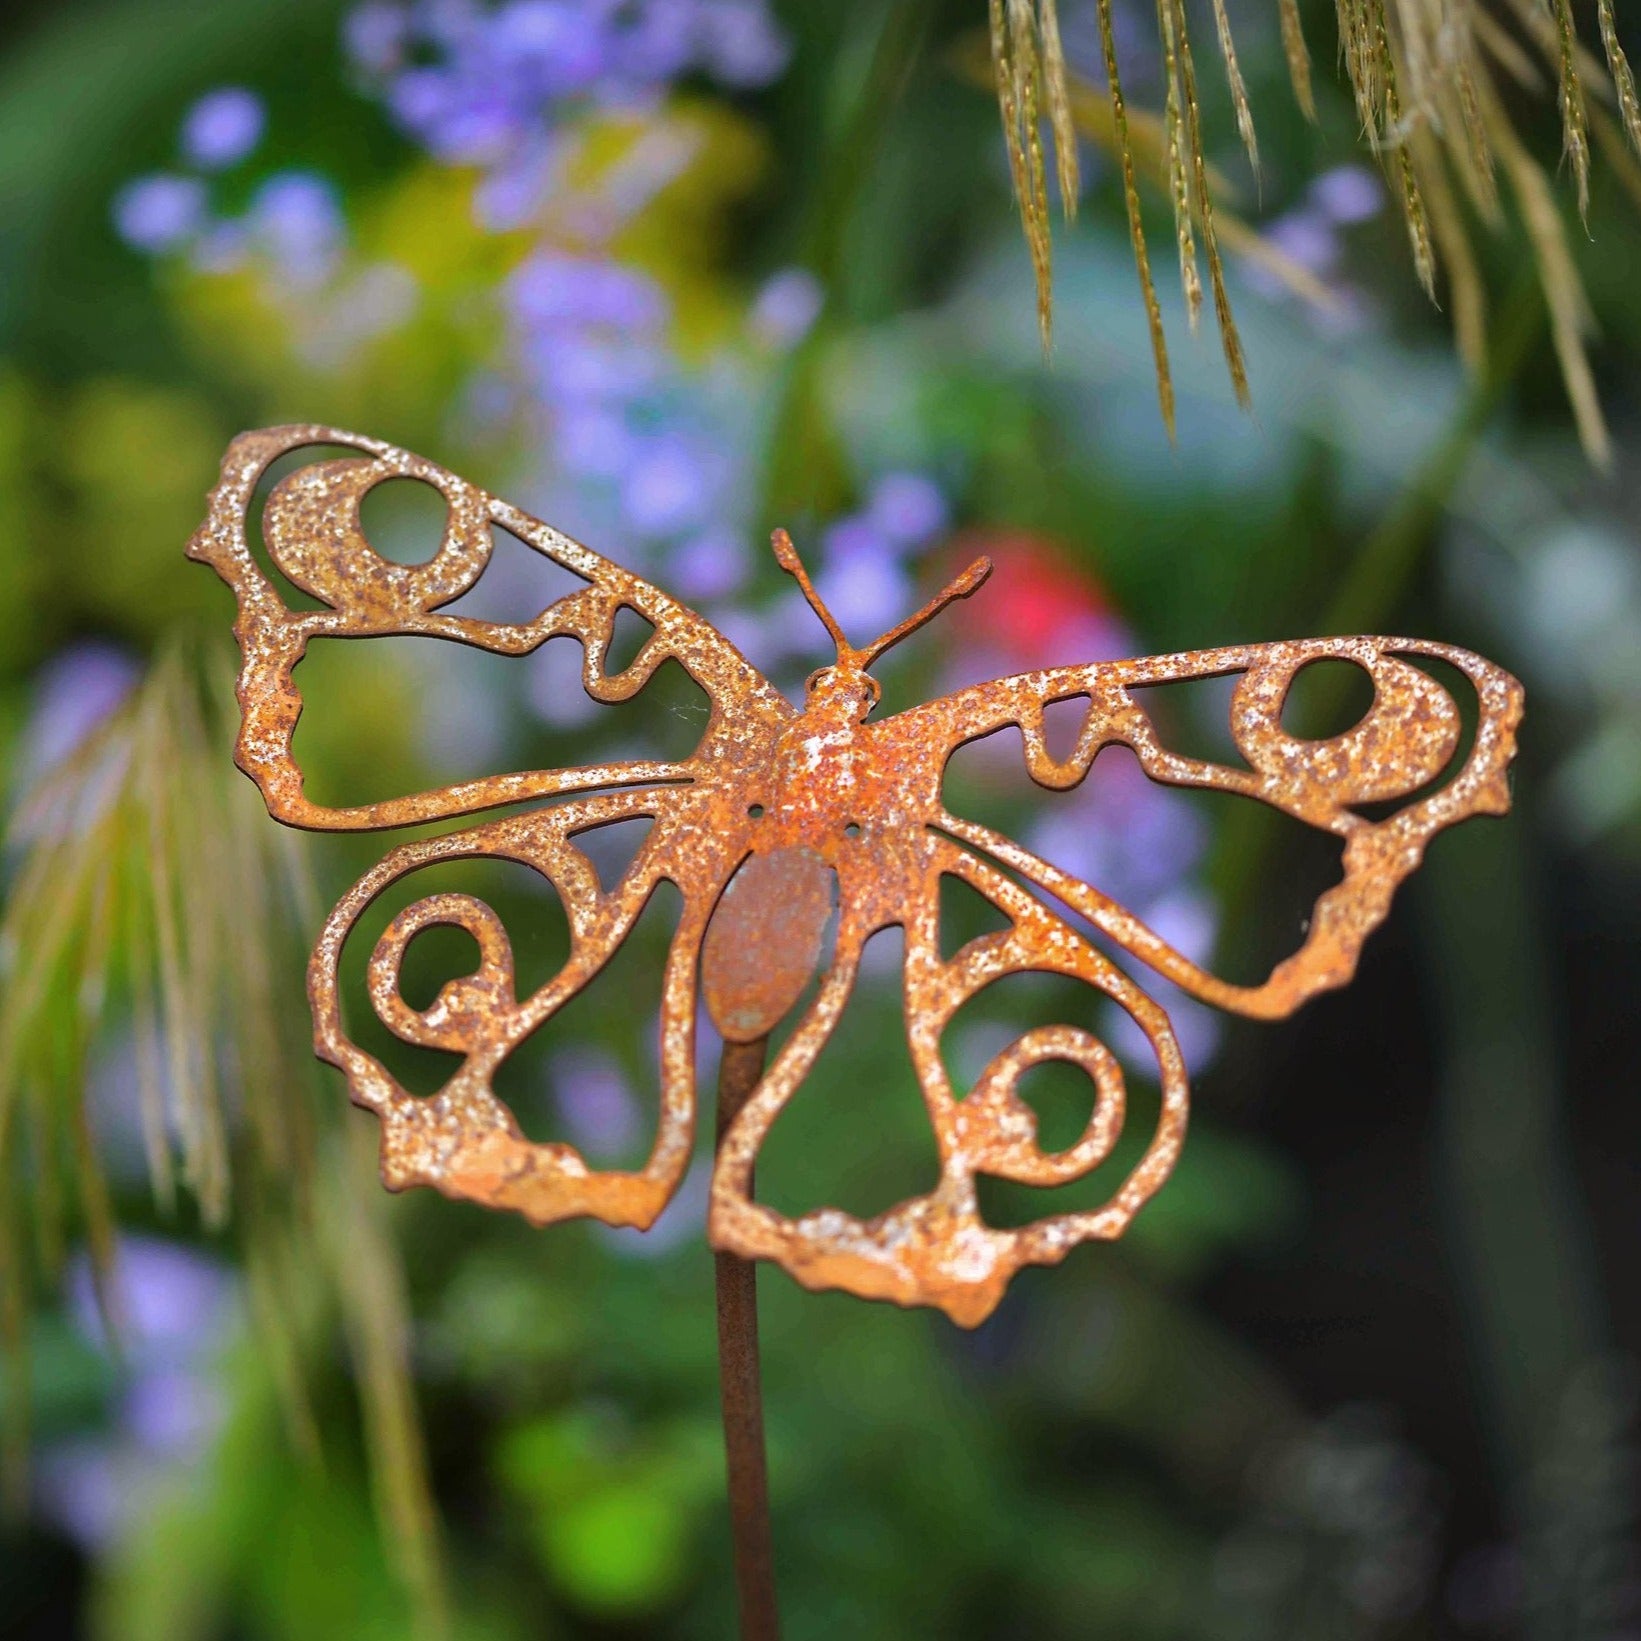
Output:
x=668 y=273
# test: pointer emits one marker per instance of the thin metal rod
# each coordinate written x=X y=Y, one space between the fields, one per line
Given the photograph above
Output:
x=738 y=1073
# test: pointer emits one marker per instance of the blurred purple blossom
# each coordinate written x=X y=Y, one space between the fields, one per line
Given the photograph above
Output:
x=909 y=508
x=672 y=485
x=223 y=128
x=85 y=1487
x=1308 y=238
x=595 y=1102
x=159 y=212
x=594 y=442
x=374 y=36
x=714 y=564
x=1120 y=831
x=739 y=43
x=553 y=289
x=867 y=592
x=169 y=1301
x=1197 y=1029
x=171 y=1306
x=172 y=1412
x=73 y=693
x=852 y=538
x=296 y=218
x=786 y=307
x=476 y=84
x=1348 y=194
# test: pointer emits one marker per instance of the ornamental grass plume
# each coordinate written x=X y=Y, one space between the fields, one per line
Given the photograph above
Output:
x=148 y=892
x=1427 y=78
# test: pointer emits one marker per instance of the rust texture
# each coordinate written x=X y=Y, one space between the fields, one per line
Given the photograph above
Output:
x=787 y=824
x=740 y=1385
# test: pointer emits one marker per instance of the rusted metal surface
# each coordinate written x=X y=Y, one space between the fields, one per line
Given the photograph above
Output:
x=740 y=1384
x=777 y=815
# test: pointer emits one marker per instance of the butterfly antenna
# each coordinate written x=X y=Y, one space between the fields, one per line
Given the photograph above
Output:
x=786 y=555
x=965 y=584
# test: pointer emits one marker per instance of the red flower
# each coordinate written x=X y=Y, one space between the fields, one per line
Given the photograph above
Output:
x=1038 y=609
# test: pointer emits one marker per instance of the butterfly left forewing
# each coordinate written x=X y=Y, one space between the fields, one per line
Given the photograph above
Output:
x=315 y=539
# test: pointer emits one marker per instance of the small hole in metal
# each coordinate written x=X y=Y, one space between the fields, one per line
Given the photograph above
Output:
x=755 y=810
x=852 y=830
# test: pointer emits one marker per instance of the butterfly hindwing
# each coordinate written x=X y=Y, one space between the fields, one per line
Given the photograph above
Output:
x=937 y=1249
x=463 y=1139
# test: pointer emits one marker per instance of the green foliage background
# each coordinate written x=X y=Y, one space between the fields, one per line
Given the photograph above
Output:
x=1379 y=1331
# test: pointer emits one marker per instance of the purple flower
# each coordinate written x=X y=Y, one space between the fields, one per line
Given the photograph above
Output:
x=553 y=48
x=513 y=191
x=739 y=43
x=853 y=538
x=866 y=592
x=171 y=1412
x=1307 y=238
x=296 y=217
x=1348 y=194
x=73 y=693
x=594 y=442
x=580 y=367
x=502 y=76
x=86 y=1489
x=169 y=1301
x=374 y=36
x=908 y=508
x=223 y=128
x=787 y=306
x=712 y=565
x=671 y=486
x=1197 y=1028
x=1187 y=919
x=551 y=289
x=597 y=1106
x=158 y=213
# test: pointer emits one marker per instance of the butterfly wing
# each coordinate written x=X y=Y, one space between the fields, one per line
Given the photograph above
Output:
x=463 y=1140
x=937 y=1249
x=1398 y=752
x=313 y=534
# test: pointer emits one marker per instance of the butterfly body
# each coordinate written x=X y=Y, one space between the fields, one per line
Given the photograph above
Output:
x=793 y=836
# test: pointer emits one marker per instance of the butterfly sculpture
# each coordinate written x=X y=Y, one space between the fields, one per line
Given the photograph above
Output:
x=782 y=821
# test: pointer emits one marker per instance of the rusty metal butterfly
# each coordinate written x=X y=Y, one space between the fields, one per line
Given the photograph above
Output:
x=779 y=820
